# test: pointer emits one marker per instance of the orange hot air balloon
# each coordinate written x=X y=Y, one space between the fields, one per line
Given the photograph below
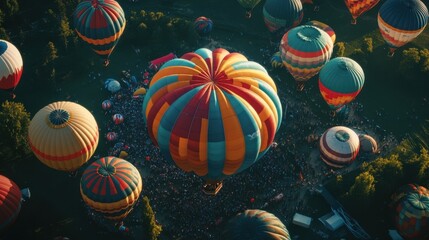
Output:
x=358 y=7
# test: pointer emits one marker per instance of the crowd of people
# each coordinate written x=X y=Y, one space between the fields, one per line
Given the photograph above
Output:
x=278 y=182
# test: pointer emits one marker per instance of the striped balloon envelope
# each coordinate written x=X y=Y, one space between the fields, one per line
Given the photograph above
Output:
x=100 y=23
x=111 y=186
x=118 y=118
x=359 y=7
x=203 y=25
x=212 y=112
x=339 y=146
x=10 y=202
x=63 y=135
x=255 y=224
x=325 y=27
x=340 y=81
x=411 y=206
x=11 y=65
x=282 y=15
x=304 y=50
x=401 y=21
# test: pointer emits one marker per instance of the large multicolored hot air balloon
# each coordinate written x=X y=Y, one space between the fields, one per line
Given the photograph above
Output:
x=339 y=146
x=248 y=5
x=10 y=66
x=203 y=25
x=63 y=135
x=100 y=23
x=212 y=112
x=304 y=50
x=282 y=15
x=358 y=7
x=10 y=202
x=325 y=27
x=111 y=186
x=401 y=21
x=411 y=206
x=255 y=224
x=340 y=81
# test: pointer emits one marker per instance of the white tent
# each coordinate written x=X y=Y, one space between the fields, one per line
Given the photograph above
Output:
x=301 y=220
x=332 y=221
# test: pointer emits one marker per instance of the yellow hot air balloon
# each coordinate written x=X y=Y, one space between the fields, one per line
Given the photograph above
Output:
x=63 y=135
x=140 y=91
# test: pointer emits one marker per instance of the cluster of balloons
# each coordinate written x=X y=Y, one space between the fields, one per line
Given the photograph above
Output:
x=212 y=112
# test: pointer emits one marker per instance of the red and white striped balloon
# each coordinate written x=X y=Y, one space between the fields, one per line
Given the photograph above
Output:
x=11 y=65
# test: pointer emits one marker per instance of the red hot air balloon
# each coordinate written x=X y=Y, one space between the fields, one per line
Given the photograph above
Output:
x=10 y=202
x=10 y=66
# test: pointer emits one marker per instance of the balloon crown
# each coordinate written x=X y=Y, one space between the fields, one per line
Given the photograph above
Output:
x=345 y=64
x=59 y=117
x=342 y=136
x=107 y=170
x=3 y=47
x=308 y=33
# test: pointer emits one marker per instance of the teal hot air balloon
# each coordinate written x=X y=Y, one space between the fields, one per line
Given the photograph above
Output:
x=340 y=81
x=281 y=15
x=100 y=23
x=401 y=21
x=248 y=5
x=212 y=112
x=255 y=224
x=304 y=51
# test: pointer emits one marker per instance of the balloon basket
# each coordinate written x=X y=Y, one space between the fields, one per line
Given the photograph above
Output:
x=212 y=188
x=300 y=86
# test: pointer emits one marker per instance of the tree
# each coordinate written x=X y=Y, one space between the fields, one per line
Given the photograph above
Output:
x=424 y=60
x=363 y=188
x=51 y=53
x=410 y=58
x=4 y=35
x=14 y=122
x=388 y=173
x=153 y=230
x=339 y=49
x=65 y=32
x=367 y=45
x=10 y=7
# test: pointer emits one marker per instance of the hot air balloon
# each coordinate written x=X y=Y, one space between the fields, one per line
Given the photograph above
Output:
x=248 y=5
x=118 y=118
x=276 y=60
x=339 y=146
x=325 y=27
x=411 y=206
x=111 y=186
x=212 y=112
x=106 y=104
x=100 y=23
x=358 y=7
x=140 y=91
x=401 y=21
x=282 y=15
x=10 y=66
x=63 y=135
x=340 y=81
x=10 y=202
x=203 y=25
x=367 y=143
x=112 y=85
x=111 y=136
x=255 y=224
x=304 y=50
